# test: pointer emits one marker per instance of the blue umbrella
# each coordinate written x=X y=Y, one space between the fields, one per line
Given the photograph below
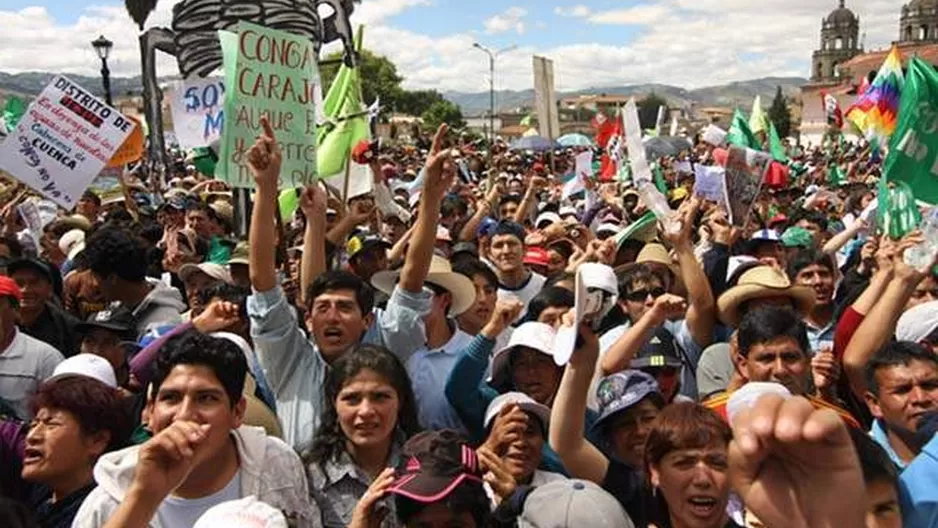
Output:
x=575 y=140
x=535 y=143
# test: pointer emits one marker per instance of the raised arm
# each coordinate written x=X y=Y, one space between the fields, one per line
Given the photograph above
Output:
x=530 y=198
x=313 y=263
x=701 y=313
x=621 y=352
x=879 y=325
x=568 y=415
x=264 y=159
x=440 y=172
x=483 y=208
x=840 y=239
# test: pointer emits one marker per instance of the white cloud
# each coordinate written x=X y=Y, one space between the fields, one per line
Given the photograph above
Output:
x=689 y=43
x=511 y=19
x=578 y=10
x=637 y=15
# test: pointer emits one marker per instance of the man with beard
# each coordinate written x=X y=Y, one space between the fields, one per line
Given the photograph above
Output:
x=817 y=271
x=772 y=346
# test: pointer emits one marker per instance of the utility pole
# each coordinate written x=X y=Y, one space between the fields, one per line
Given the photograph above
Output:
x=493 y=54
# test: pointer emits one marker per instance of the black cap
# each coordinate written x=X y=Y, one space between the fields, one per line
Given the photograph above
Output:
x=39 y=266
x=659 y=351
x=119 y=320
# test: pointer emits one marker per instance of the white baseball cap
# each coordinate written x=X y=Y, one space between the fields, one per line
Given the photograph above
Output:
x=523 y=401
x=539 y=336
x=242 y=513
x=89 y=365
x=918 y=323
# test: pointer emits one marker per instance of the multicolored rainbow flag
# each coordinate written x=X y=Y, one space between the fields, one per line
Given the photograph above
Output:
x=876 y=111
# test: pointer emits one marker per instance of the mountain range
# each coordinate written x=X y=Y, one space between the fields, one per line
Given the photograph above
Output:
x=738 y=93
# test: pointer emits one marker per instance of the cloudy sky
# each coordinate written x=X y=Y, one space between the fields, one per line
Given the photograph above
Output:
x=689 y=43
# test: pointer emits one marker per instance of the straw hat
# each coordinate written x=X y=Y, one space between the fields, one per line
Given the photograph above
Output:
x=759 y=283
x=441 y=273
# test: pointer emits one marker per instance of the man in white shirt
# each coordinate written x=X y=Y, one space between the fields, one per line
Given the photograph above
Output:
x=200 y=454
x=515 y=281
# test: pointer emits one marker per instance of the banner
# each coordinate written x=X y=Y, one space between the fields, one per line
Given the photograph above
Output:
x=131 y=149
x=745 y=172
x=641 y=172
x=63 y=141
x=197 y=106
x=582 y=171
x=710 y=183
x=272 y=73
x=546 y=98
x=913 y=151
x=713 y=135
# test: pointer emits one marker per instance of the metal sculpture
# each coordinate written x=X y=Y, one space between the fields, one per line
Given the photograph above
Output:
x=193 y=40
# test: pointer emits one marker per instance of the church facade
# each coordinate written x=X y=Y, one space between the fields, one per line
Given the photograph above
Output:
x=840 y=63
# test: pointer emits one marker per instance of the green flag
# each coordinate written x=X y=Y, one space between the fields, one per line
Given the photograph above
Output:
x=659 y=180
x=775 y=145
x=13 y=110
x=349 y=121
x=758 y=119
x=740 y=134
x=835 y=176
x=913 y=149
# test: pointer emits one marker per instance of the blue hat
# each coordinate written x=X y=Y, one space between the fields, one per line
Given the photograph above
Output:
x=617 y=392
x=487 y=226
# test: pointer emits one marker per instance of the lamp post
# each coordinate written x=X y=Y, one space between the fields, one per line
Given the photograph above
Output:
x=493 y=54
x=102 y=47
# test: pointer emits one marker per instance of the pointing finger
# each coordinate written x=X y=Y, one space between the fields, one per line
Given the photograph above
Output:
x=265 y=124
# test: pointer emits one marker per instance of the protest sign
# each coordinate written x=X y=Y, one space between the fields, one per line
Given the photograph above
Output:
x=272 y=73
x=745 y=172
x=63 y=141
x=29 y=212
x=713 y=135
x=582 y=170
x=131 y=149
x=641 y=172
x=710 y=183
x=198 y=112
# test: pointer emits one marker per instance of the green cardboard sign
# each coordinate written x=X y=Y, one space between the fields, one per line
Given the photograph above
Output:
x=273 y=73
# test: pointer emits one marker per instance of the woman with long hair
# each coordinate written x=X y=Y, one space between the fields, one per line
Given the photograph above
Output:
x=686 y=463
x=369 y=413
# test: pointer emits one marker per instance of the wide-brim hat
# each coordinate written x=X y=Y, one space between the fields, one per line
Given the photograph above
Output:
x=441 y=274
x=761 y=282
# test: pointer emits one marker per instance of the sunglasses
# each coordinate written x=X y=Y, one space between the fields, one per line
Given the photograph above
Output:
x=641 y=295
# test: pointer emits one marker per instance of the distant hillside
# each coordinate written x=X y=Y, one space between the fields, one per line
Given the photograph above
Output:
x=740 y=93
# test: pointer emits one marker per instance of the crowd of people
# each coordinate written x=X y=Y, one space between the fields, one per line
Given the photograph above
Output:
x=397 y=358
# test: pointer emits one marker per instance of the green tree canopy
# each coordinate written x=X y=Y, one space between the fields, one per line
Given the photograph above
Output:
x=648 y=109
x=443 y=111
x=780 y=114
x=379 y=77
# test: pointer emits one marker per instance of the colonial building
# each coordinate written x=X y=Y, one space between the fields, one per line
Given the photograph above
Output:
x=840 y=65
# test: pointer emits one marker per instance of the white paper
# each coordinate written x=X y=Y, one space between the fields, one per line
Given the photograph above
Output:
x=713 y=135
x=710 y=183
x=197 y=106
x=683 y=167
x=29 y=212
x=641 y=173
x=582 y=170
x=63 y=141
x=360 y=182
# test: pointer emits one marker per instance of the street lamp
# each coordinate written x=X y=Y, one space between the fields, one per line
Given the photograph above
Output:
x=102 y=47
x=493 y=54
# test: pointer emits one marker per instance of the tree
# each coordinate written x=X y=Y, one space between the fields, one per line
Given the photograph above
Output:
x=780 y=114
x=648 y=109
x=379 y=78
x=417 y=102
x=443 y=112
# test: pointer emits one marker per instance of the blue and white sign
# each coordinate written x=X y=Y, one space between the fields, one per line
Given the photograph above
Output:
x=198 y=111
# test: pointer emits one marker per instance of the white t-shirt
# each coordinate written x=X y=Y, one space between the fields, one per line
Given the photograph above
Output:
x=183 y=513
x=525 y=292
